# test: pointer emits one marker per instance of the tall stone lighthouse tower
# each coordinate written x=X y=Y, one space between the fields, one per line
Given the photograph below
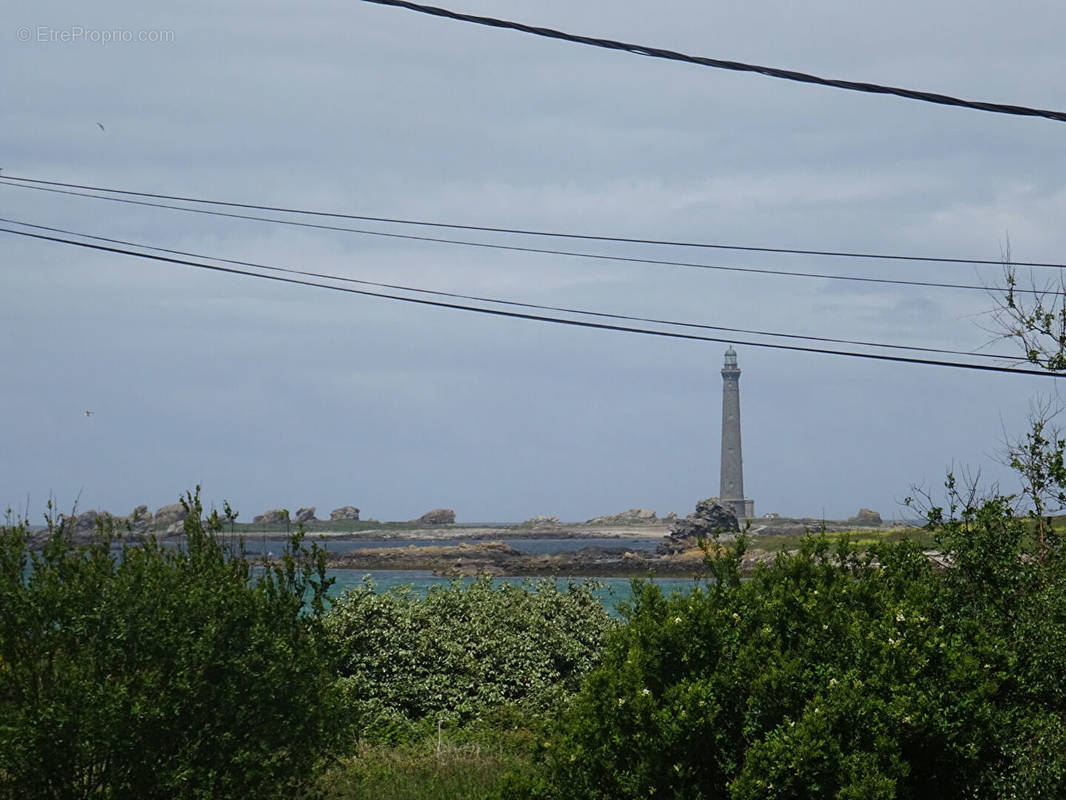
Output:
x=731 y=494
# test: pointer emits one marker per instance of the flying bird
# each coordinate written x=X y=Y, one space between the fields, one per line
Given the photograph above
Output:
x=88 y=413
x=101 y=126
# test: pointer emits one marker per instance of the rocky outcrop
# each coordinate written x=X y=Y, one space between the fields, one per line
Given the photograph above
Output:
x=542 y=521
x=634 y=516
x=344 y=514
x=498 y=558
x=305 y=514
x=709 y=518
x=275 y=516
x=865 y=517
x=86 y=524
x=140 y=519
x=88 y=521
x=438 y=516
x=85 y=521
x=468 y=559
x=167 y=515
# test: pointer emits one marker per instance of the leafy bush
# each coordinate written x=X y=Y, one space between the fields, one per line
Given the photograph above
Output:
x=463 y=649
x=145 y=671
x=834 y=674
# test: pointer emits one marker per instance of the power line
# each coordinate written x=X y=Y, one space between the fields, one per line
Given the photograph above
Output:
x=736 y=66
x=532 y=232
x=514 y=303
x=537 y=250
x=535 y=317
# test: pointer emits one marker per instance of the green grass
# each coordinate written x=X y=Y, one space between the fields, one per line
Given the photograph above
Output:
x=863 y=538
x=452 y=765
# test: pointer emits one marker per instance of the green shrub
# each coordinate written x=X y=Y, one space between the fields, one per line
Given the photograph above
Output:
x=461 y=651
x=834 y=674
x=142 y=671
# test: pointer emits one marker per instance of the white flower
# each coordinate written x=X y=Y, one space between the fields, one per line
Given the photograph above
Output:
x=621 y=701
x=645 y=692
x=677 y=619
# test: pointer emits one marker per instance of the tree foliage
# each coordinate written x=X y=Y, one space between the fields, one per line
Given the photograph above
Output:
x=140 y=670
x=836 y=674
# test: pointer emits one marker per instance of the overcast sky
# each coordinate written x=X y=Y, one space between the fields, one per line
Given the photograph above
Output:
x=273 y=395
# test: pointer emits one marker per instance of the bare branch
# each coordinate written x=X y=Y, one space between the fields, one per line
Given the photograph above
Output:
x=1033 y=317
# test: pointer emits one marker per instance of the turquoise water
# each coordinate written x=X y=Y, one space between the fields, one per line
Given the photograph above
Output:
x=610 y=591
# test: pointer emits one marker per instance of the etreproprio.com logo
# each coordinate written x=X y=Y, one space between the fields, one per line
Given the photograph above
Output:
x=77 y=33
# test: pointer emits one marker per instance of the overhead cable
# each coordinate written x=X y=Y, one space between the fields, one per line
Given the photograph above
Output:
x=514 y=303
x=533 y=232
x=737 y=66
x=538 y=250
x=535 y=317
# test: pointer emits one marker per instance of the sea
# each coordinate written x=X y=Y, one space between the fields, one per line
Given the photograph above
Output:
x=613 y=592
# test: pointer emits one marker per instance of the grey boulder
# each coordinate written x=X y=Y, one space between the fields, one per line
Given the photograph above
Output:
x=438 y=516
x=275 y=516
x=344 y=513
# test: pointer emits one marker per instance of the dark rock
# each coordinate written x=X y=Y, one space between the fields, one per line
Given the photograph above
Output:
x=498 y=558
x=709 y=518
x=438 y=516
x=305 y=514
x=344 y=513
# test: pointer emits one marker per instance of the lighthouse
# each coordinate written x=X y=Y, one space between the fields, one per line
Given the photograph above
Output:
x=731 y=493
